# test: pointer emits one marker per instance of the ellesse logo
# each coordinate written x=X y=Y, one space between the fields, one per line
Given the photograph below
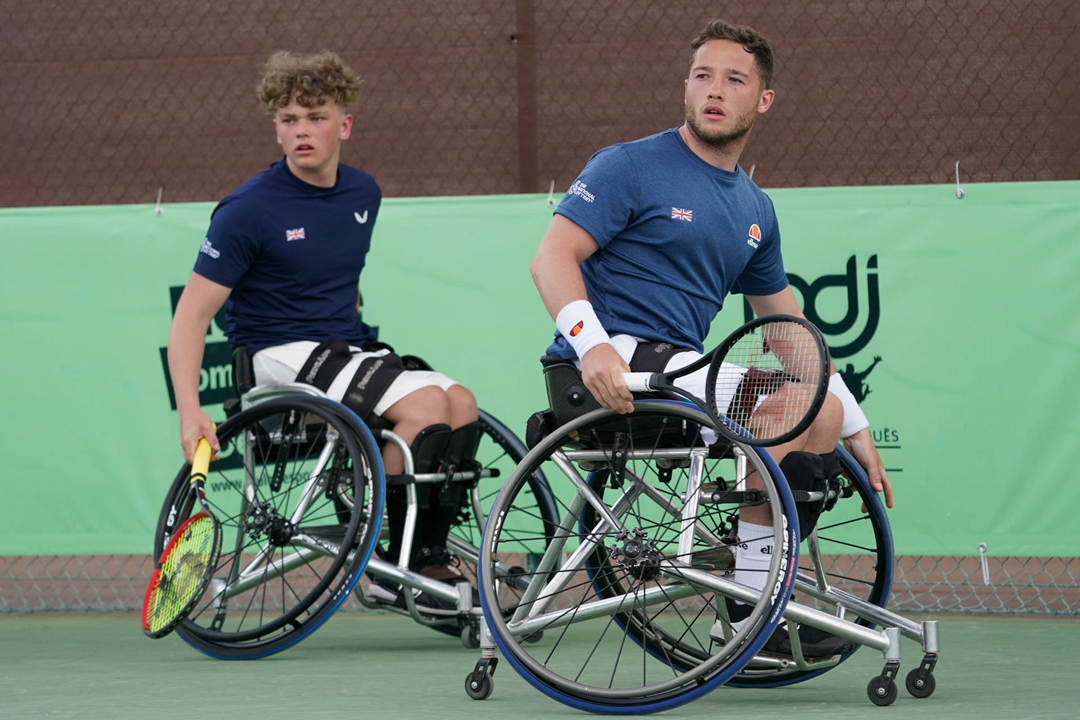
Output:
x=755 y=236
x=577 y=328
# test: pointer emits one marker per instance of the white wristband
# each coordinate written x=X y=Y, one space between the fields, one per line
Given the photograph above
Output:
x=578 y=324
x=854 y=418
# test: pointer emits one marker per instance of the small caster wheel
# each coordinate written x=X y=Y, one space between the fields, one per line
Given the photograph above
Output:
x=470 y=636
x=920 y=688
x=880 y=695
x=478 y=686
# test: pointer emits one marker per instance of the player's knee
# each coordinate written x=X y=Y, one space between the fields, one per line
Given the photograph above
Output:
x=826 y=426
x=463 y=406
x=426 y=406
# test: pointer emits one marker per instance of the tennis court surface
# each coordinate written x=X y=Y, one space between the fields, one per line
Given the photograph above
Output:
x=373 y=665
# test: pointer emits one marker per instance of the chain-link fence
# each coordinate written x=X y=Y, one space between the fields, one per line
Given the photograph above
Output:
x=113 y=100
x=107 y=102
x=921 y=583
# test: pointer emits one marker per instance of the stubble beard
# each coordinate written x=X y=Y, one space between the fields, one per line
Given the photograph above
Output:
x=721 y=141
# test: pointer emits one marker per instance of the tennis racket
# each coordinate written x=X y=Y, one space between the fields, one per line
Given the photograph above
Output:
x=765 y=382
x=188 y=561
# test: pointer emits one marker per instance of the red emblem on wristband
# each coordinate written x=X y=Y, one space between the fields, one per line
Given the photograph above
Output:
x=577 y=328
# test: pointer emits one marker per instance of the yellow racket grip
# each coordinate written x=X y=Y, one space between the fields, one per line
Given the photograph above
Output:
x=200 y=464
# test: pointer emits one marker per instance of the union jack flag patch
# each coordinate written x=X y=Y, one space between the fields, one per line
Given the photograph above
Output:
x=297 y=234
x=680 y=214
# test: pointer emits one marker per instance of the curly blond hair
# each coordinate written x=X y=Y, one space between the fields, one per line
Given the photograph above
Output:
x=310 y=81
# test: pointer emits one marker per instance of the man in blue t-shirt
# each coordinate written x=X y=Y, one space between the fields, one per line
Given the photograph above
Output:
x=285 y=251
x=651 y=238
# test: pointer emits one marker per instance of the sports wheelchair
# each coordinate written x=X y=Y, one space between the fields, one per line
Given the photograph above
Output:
x=300 y=492
x=628 y=604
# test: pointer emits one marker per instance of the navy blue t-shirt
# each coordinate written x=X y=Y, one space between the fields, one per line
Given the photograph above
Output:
x=676 y=235
x=292 y=253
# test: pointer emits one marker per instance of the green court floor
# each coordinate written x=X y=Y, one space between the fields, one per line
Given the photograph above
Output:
x=378 y=666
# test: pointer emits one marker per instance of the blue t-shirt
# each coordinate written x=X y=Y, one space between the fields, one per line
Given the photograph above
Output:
x=292 y=253
x=676 y=235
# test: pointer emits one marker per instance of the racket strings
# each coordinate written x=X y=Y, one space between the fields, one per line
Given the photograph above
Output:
x=768 y=380
x=184 y=569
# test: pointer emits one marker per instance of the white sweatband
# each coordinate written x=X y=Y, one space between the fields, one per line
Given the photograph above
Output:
x=854 y=418
x=578 y=324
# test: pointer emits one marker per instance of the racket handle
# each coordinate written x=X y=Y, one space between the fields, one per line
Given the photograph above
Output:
x=640 y=381
x=200 y=463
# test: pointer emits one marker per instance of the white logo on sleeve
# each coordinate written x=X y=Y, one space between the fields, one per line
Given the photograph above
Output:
x=362 y=219
x=578 y=188
x=208 y=249
x=755 y=236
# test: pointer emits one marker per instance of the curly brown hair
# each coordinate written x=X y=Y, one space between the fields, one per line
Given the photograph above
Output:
x=310 y=81
x=751 y=40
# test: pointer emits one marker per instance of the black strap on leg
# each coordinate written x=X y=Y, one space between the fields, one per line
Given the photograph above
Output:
x=370 y=382
x=324 y=363
x=805 y=473
x=653 y=356
x=427 y=448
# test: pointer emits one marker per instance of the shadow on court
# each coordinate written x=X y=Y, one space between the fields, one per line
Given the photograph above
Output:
x=371 y=665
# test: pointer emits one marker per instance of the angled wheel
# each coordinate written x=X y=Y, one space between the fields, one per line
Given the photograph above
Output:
x=655 y=538
x=299 y=494
x=854 y=554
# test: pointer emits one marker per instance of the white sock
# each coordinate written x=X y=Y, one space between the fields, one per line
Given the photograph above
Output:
x=754 y=555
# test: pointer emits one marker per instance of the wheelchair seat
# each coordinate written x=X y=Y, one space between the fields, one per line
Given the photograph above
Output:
x=569 y=399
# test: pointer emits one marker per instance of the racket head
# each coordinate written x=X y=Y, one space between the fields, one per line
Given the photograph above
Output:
x=767 y=380
x=181 y=574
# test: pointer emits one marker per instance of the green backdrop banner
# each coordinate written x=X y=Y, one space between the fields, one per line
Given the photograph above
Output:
x=956 y=322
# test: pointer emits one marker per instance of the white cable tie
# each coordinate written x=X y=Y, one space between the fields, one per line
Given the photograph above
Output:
x=157 y=207
x=959 y=190
x=982 y=561
x=551 y=195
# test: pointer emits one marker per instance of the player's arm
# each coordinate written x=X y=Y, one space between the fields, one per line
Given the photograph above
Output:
x=556 y=270
x=199 y=303
x=855 y=431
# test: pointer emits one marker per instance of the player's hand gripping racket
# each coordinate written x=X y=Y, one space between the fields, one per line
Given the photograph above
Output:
x=187 y=563
x=765 y=382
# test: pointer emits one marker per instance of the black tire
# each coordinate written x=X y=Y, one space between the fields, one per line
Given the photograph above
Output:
x=269 y=610
x=478 y=686
x=911 y=682
x=581 y=663
x=881 y=696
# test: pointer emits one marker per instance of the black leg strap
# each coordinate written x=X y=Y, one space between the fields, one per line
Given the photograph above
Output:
x=805 y=473
x=370 y=382
x=324 y=363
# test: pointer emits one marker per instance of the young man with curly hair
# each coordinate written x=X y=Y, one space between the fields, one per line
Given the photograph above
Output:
x=284 y=253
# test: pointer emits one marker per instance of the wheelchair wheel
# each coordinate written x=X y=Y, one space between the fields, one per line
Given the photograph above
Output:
x=299 y=493
x=855 y=555
x=658 y=551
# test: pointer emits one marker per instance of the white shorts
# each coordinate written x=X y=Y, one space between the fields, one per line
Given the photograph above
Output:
x=281 y=363
x=694 y=383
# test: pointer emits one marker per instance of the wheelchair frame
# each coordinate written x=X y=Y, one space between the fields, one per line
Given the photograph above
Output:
x=756 y=668
x=462 y=621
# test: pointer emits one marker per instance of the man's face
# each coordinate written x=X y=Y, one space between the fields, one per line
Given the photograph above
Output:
x=311 y=137
x=723 y=94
